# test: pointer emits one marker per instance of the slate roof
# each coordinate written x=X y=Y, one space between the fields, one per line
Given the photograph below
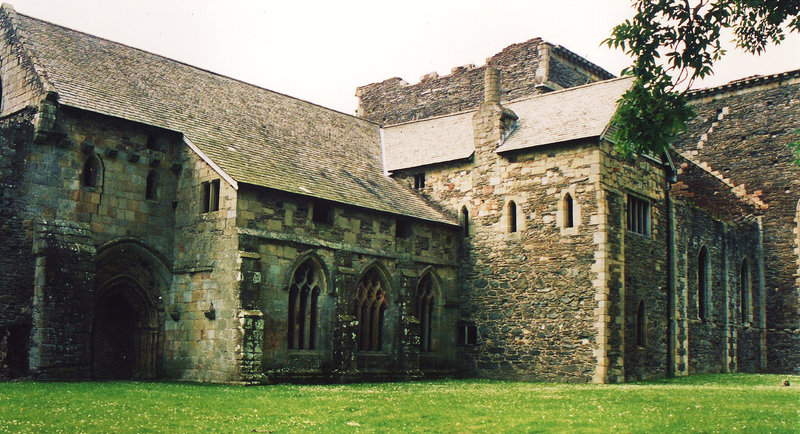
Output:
x=256 y=136
x=571 y=114
x=430 y=141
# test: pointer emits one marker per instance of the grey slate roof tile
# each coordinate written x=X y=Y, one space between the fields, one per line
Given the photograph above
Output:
x=570 y=114
x=255 y=135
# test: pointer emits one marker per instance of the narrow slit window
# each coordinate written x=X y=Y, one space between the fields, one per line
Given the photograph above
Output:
x=703 y=290
x=746 y=292
x=641 y=325
x=569 y=215
x=153 y=185
x=465 y=220
x=512 y=216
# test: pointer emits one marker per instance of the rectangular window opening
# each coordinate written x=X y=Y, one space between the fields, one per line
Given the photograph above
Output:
x=402 y=228
x=210 y=196
x=419 y=181
x=638 y=216
x=322 y=212
x=467 y=334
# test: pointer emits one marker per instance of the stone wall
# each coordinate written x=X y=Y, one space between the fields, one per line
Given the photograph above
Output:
x=203 y=344
x=16 y=249
x=529 y=292
x=637 y=266
x=741 y=131
x=21 y=86
x=528 y=68
x=278 y=233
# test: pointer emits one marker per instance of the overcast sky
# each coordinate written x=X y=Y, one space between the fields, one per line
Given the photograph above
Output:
x=321 y=51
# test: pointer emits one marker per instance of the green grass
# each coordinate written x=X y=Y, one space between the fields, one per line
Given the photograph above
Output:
x=704 y=403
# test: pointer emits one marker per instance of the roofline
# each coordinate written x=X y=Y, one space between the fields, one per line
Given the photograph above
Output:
x=566 y=89
x=211 y=163
x=9 y=7
x=311 y=197
x=560 y=49
x=789 y=77
x=39 y=70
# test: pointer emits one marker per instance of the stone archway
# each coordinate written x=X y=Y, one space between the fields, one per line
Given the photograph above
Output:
x=128 y=316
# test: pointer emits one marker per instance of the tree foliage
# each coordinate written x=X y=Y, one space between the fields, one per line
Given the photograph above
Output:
x=675 y=42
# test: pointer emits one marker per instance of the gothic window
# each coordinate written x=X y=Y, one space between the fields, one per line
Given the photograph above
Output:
x=92 y=172
x=465 y=220
x=703 y=287
x=746 y=287
x=638 y=216
x=424 y=309
x=641 y=325
x=304 y=294
x=569 y=214
x=370 y=310
x=153 y=185
x=512 y=216
x=210 y=196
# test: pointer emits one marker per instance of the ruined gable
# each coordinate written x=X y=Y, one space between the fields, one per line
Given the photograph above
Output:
x=529 y=68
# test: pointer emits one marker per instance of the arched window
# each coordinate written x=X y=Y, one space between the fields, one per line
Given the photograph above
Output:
x=465 y=220
x=153 y=185
x=703 y=287
x=512 y=216
x=92 y=172
x=746 y=286
x=641 y=325
x=569 y=214
x=370 y=308
x=425 y=301
x=303 y=305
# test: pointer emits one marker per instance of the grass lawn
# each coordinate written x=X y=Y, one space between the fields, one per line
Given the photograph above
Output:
x=705 y=403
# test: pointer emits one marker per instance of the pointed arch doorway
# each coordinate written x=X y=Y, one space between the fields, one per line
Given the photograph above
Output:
x=128 y=321
x=124 y=334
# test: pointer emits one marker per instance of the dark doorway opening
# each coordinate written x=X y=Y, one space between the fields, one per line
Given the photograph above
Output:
x=123 y=338
x=14 y=350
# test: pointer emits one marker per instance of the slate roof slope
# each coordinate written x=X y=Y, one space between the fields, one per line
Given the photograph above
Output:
x=255 y=135
x=429 y=141
x=570 y=114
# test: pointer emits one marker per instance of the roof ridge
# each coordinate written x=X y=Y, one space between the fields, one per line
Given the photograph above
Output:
x=744 y=82
x=566 y=89
x=41 y=72
x=206 y=71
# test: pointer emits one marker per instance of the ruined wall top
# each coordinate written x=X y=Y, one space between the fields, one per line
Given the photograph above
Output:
x=527 y=68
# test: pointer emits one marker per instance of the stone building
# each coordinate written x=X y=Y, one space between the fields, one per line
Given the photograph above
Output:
x=162 y=221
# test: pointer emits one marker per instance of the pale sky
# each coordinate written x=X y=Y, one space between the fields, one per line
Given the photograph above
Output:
x=320 y=51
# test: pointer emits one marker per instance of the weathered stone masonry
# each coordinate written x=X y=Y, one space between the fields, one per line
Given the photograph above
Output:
x=209 y=230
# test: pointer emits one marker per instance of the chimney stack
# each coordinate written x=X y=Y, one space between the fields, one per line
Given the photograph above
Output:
x=491 y=86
